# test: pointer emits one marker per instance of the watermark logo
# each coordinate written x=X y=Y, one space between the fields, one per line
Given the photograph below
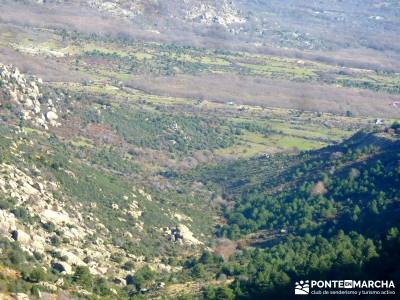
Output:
x=345 y=287
x=348 y=284
x=302 y=287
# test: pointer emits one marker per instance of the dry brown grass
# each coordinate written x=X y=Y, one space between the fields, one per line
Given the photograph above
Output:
x=9 y=273
x=273 y=93
x=318 y=189
x=226 y=248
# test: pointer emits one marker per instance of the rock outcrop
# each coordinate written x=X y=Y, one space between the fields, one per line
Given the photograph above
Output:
x=7 y=222
x=182 y=234
x=219 y=12
x=35 y=196
x=206 y=12
x=25 y=93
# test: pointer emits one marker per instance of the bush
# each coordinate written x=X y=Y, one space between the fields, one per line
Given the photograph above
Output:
x=49 y=227
x=16 y=256
x=142 y=277
x=396 y=125
x=6 y=203
x=82 y=276
x=22 y=214
x=198 y=271
x=37 y=275
x=116 y=258
x=101 y=287
x=55 y=241
x=224 y=293
x=128 y=266
x=37 y=255
x=35 y=291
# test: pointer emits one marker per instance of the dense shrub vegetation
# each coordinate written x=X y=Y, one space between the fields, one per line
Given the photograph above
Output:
x=334 y=216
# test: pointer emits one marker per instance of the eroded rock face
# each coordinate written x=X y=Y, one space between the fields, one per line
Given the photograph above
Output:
x=56 y=217
x=35 y=195
x=74 y=227
x=182 y=234
x=187 y=235
x=223 y=13
x=26 y=93
x=7 y=222
x=21 y=296
x=21 y=236
x=72 y=258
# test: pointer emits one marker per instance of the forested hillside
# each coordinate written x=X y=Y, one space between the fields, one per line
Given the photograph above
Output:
x=328 y=213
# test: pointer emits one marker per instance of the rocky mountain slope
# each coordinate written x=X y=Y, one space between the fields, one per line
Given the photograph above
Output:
x=370 y=28
x=60 y=228
x=208 y=12
x=24 y=96
x=224 y=13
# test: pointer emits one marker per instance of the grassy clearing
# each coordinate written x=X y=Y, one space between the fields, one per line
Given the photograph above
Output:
x=142 y=55
x=314 y=132
x=246 y=150
x=82 y=143
x=288 y=133
x=116 y=93
x=281 y=70
x=31 y=131
x=288 y=142
x=254 y=144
